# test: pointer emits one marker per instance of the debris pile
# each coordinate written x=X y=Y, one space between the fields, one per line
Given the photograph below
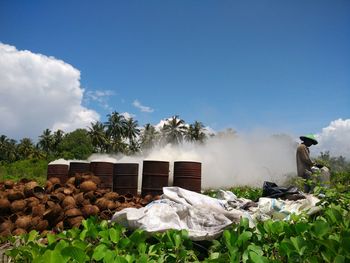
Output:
x=25 y=205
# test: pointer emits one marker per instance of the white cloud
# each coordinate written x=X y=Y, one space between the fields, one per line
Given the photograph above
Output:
x=335 y=138
x=99 y=96
x=39 y=92
x=141 y=107
x=128 y=115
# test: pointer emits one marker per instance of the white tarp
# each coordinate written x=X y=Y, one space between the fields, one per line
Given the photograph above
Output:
x=202 y=216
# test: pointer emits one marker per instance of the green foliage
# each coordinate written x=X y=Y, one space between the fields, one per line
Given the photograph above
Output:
x=251 y=193
x=324 y=237
x=30 y=169
x=76 y=145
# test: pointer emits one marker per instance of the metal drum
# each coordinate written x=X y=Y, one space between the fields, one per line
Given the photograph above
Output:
x=155 y=176
x=78 y=167
x=125 y=178
x=188 y=175
x=58 y=170
x=104 y=170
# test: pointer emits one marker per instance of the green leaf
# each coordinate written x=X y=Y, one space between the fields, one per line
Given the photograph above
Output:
x=214 y=255
x=256 y=249
x=120 y=259
x=320 y=228
x=257 y=258
x=339 y=259
x=299 y=244
x=80 y=244
x=346 y=244
x=32 y=235
x=51 y=238
x=114 y=235
x=244 y=237
x=99 y=252
x=109 y=256
x=74 y=253
x=53 y=256
x=61 y=245
x=301 y=227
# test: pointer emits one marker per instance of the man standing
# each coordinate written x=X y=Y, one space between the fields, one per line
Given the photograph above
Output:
x=304 y=162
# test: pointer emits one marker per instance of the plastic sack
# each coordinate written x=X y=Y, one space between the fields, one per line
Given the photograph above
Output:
x=272 y=190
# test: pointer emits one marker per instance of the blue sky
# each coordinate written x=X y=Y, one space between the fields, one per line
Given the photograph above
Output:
x=277 y=65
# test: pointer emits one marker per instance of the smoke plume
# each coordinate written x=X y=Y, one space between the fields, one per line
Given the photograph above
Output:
x=227 y=160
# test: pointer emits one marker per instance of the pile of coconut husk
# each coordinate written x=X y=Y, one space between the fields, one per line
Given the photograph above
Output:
x=25 y=205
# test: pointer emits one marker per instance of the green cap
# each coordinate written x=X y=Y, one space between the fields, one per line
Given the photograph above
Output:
x=310 y=137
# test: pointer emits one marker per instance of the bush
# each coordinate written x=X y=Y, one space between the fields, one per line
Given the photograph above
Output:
x=30 y=169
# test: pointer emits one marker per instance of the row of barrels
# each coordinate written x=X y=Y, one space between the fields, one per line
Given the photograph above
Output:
x=123 y=177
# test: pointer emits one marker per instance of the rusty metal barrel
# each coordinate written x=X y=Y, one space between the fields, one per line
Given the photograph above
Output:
x=104 y=170
x=155 y=176
x=188 y=175
x=125 y=178
x=58 y=170
x=78 y=167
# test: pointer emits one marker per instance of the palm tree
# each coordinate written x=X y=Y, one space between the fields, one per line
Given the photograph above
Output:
x=131 y=129
x=46 y=141
x=8 y=149
x=57 y=139
x=115 y=126
x=25 y=148
x=195 y=132
x=98 y=136
x=174 y=129
x=149 y=136
x=12 y=154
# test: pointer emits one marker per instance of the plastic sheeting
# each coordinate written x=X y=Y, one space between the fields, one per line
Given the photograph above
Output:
x=204 y=217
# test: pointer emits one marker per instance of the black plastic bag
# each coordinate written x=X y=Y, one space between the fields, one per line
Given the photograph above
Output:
x=272 y=190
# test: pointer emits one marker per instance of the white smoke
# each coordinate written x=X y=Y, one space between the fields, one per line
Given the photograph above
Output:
x=227 y=161
x=335 y=138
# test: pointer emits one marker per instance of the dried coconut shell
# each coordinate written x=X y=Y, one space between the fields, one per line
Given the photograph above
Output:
x=68 y=191
x=19 y=231
x=4 y=206
x=71 y=180
x=106 y=215
x=60 y=196
x=55 y=180
x=102 y=203
x=75 y=221
x=6 y=225
x=73 y=212
x=68 y=201
x=5 y=233
x=42 y=225
x=88 y=186
x=32 y=201
x=39 y=192
x=38 y=210
x=79 y=198
x=9 y=184
x=91 y=196
x=29 y=188
x=23 y=222
x=90 y=210
x=59 y=226
x=53 y=198
x=18 y=205
x=14 y=195
x=113 y=196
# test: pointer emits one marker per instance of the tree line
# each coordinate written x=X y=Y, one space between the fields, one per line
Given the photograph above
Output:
x=117 y=135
